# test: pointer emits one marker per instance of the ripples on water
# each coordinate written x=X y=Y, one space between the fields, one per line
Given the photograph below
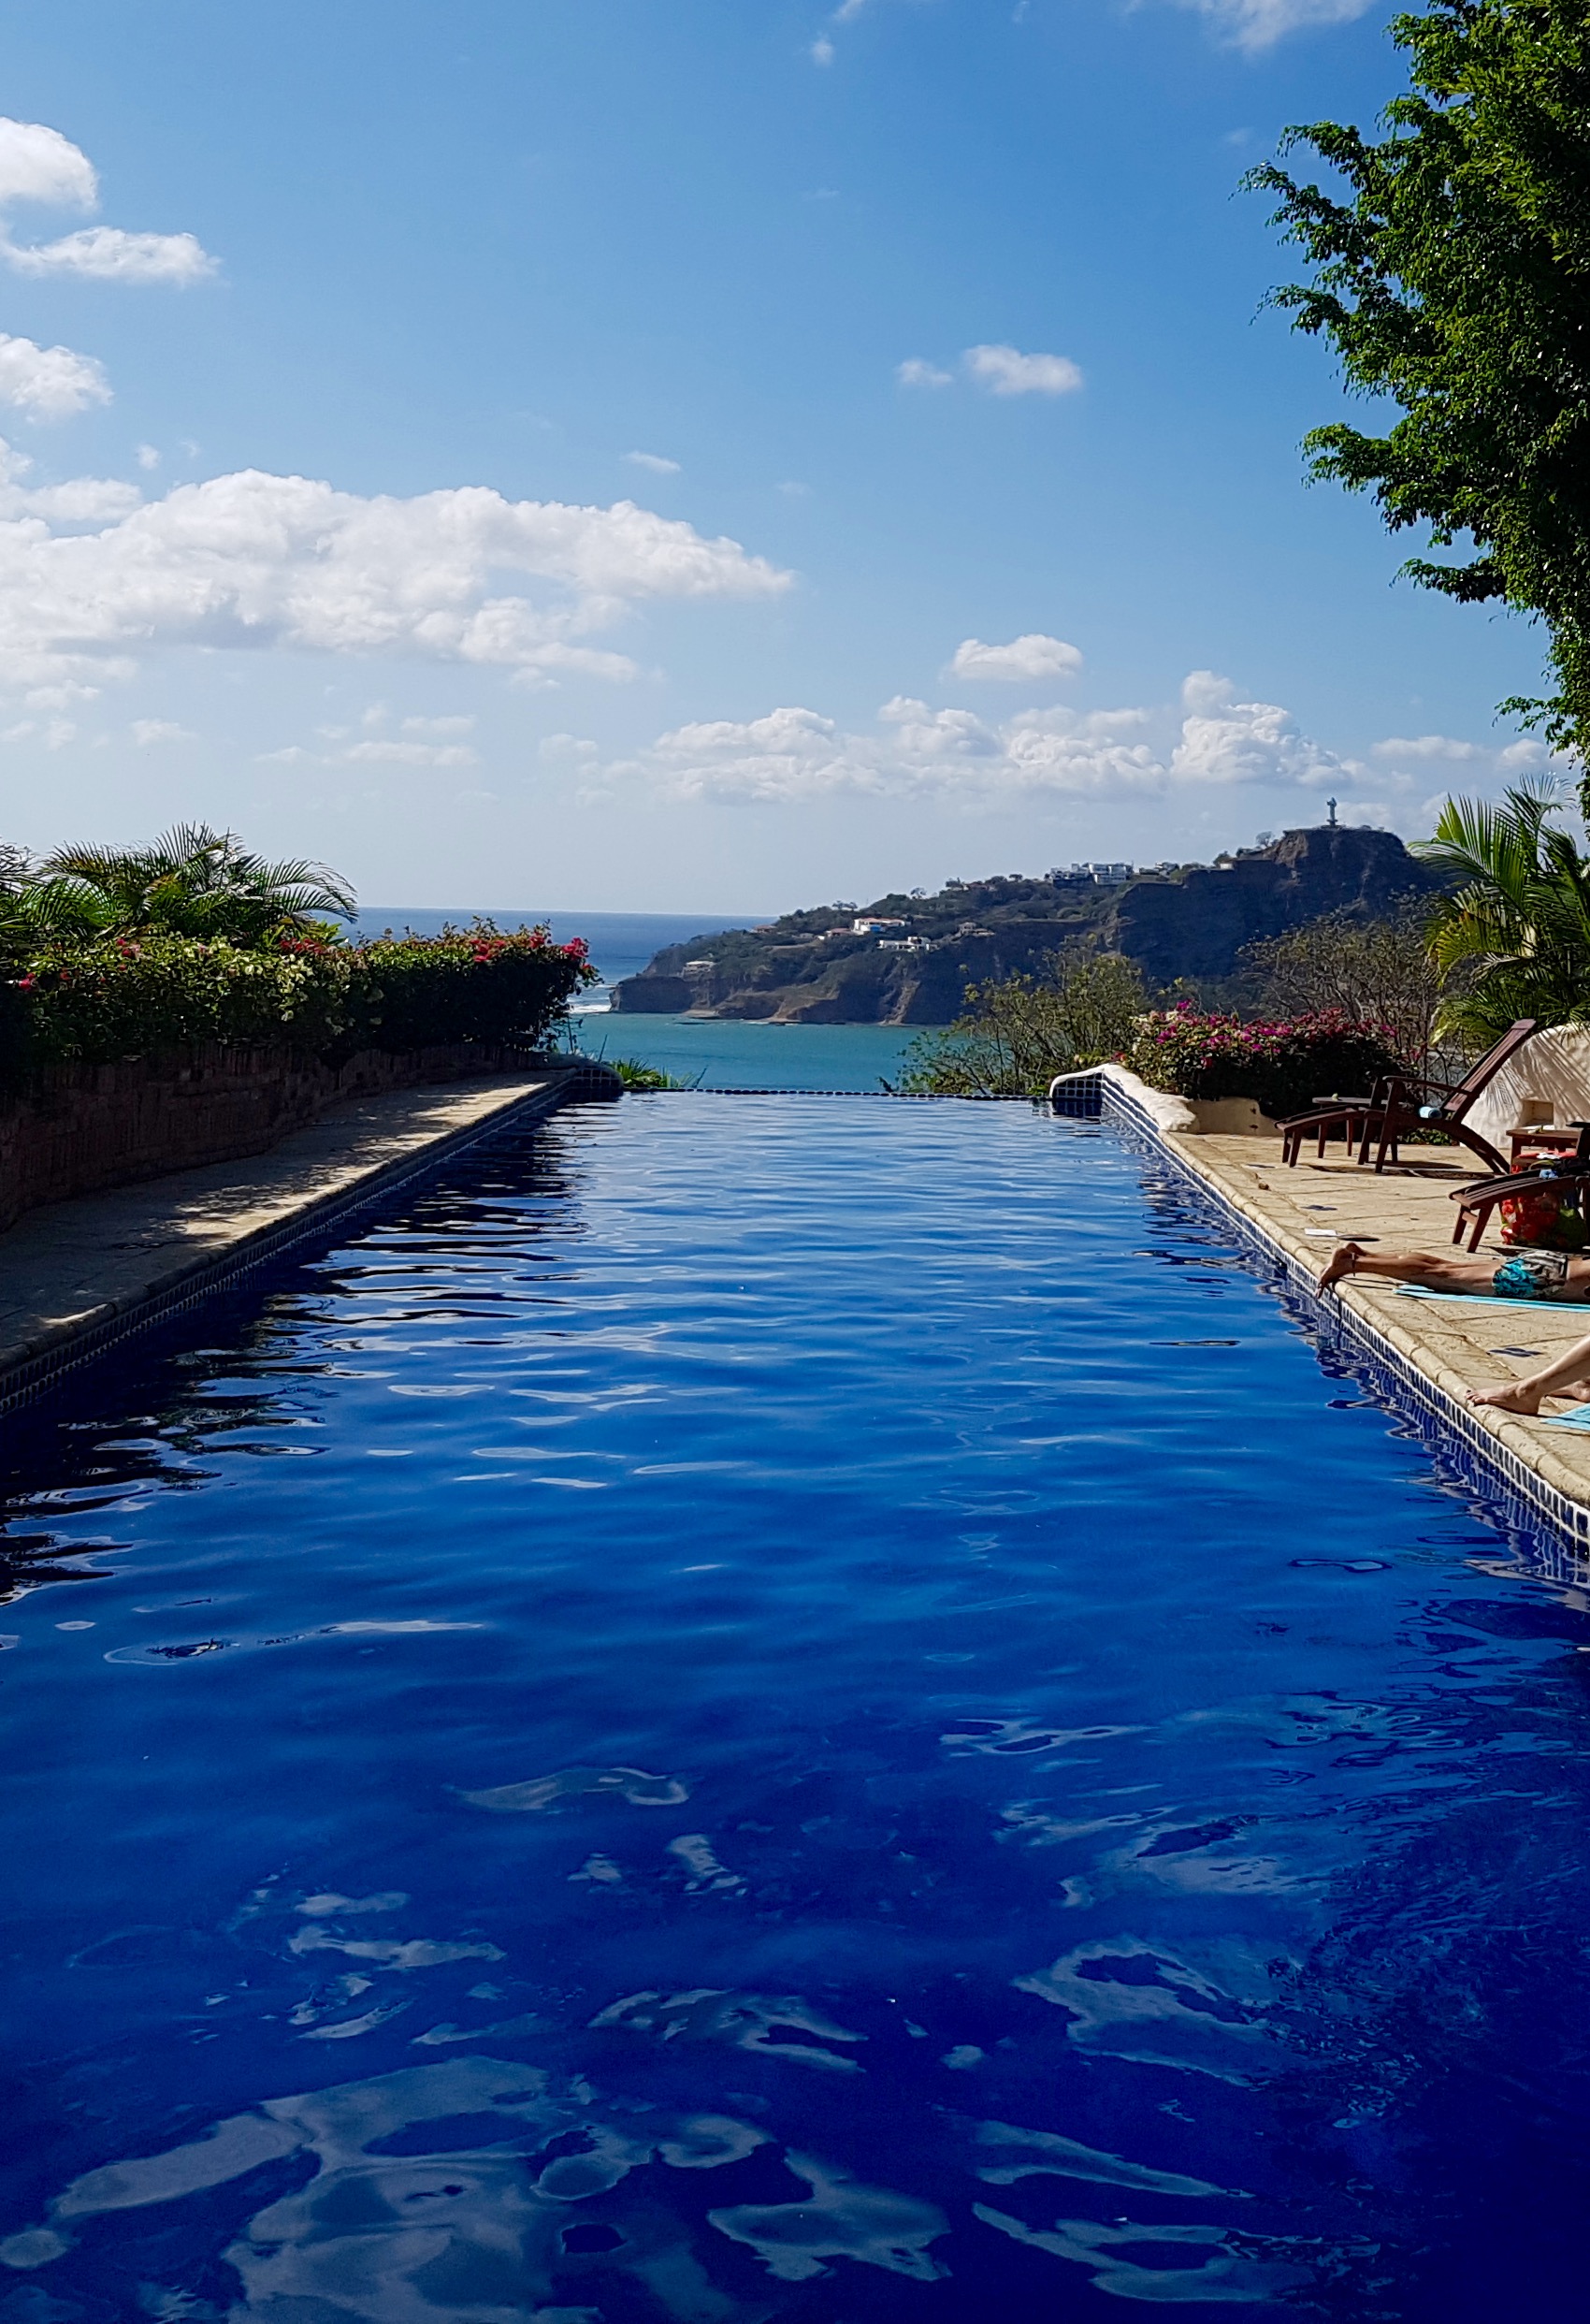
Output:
x=781 y=1709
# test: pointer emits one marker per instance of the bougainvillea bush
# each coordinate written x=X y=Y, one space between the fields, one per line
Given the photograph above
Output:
x=479 y=983
x=95 y=1002
x=1283 y=1066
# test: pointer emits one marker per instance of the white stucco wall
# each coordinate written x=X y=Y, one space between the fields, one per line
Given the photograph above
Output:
x=1168 y=1112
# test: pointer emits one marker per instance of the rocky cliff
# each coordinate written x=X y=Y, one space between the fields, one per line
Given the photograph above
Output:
x=1187 y=922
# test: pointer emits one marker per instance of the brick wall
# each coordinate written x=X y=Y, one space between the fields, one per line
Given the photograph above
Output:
x=85 y=1126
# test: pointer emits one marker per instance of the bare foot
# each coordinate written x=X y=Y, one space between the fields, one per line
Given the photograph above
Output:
x=1515 y=1396
x=1524 y=1396
x=1342 y=1261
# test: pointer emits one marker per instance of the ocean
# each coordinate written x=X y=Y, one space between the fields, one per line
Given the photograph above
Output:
x=708 y=1052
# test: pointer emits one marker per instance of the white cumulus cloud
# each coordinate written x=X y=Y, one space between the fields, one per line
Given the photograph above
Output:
x=37 y=165
x=1228 y=741
x=1257 y=24
x=1026 y=661
x=1006 y=372
x=390 y=753
x=110 y=256
x=917 y=371
x=655 y=461
x=81 y=500
x=147 y=732
x=254 y=559
x=1426 y=746
x=48 y=383
x=795 y=755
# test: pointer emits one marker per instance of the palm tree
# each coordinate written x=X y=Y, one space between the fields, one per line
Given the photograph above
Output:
x=193 y=881
x=1517 y=916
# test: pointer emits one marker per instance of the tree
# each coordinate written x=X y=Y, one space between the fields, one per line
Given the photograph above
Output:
x=1456 y=281
x=1015 y=1037
x=1377 y=972
x=1518 y=916
x=193 y=881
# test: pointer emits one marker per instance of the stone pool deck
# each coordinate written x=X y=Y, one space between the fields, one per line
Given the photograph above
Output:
x=77 y=1277
x=1456 y=1346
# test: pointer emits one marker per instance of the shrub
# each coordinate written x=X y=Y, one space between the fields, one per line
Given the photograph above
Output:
x=94 y=1002
x=479 y=983
x=636 y=1076
x=1375 y=972
x=1016 y=1036
x=1283 y=1066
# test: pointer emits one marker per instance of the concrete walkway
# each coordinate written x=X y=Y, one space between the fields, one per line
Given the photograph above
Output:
x=1458 y=1347
x=72 y=1269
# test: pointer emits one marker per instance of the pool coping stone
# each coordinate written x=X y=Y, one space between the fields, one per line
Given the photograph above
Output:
x=1403 y=1362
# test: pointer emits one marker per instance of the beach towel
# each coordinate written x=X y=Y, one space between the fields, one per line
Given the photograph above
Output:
x=1488 y=1298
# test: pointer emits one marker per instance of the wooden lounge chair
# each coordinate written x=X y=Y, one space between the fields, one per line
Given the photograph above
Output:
x=1478 y=1201
x=1409 y=1101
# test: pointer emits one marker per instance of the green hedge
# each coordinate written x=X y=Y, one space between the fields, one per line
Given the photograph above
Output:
x=94 y=1003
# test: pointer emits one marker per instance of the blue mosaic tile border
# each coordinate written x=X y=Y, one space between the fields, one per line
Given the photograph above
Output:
x=1512 y=1493
x=35 y=1376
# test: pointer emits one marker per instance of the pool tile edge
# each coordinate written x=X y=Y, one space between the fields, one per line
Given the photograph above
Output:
x=1398 y=1375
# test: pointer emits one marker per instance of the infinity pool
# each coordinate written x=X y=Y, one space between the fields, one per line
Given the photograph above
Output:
x=776 y=1709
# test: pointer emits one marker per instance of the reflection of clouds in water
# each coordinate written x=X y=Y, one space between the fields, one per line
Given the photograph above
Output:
x=1130 y=2000
x=695 y=1849
x=1224 y=2276
x=1214 y=1876
x=321 y=1908
x=744 y=2021
x=1170 y=1856
x=838 y=2219
x=171 y=1655
x=1045 y=2152
x=347 y=2028
x=390 y=1953
x=541 y=1791
x=1014 y=1738
x=505 y=2029
x=461 y=2225
x=601 y=1871
x=1027 y=1823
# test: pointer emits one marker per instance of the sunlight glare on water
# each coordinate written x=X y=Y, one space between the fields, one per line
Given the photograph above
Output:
x=780 y=1708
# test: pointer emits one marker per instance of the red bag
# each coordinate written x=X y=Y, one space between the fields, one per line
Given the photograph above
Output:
x=1546 y=1220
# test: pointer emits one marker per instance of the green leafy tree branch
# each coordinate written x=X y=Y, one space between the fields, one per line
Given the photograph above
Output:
x=1455 y=280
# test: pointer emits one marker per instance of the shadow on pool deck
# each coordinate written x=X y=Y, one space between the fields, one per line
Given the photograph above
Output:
x=70 y=1270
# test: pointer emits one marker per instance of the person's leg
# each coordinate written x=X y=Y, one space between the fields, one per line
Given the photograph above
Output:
x=1433 y=1271
x=1567 y=1374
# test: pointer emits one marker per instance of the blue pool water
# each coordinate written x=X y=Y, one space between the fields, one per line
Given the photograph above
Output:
x=790 y=1709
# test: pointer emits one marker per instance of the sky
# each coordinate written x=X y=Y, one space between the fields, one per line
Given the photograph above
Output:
x=692 y=454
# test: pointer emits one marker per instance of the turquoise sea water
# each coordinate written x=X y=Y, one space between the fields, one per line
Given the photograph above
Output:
x=715 y=1053
x=621 y=943
x=784 y=1709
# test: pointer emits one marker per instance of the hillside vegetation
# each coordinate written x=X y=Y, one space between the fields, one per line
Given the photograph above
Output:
x=1186 y=926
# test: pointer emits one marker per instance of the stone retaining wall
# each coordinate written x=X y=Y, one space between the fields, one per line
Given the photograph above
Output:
x=83 y=1127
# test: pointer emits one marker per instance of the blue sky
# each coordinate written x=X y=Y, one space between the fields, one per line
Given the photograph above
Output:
x=691 y=453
